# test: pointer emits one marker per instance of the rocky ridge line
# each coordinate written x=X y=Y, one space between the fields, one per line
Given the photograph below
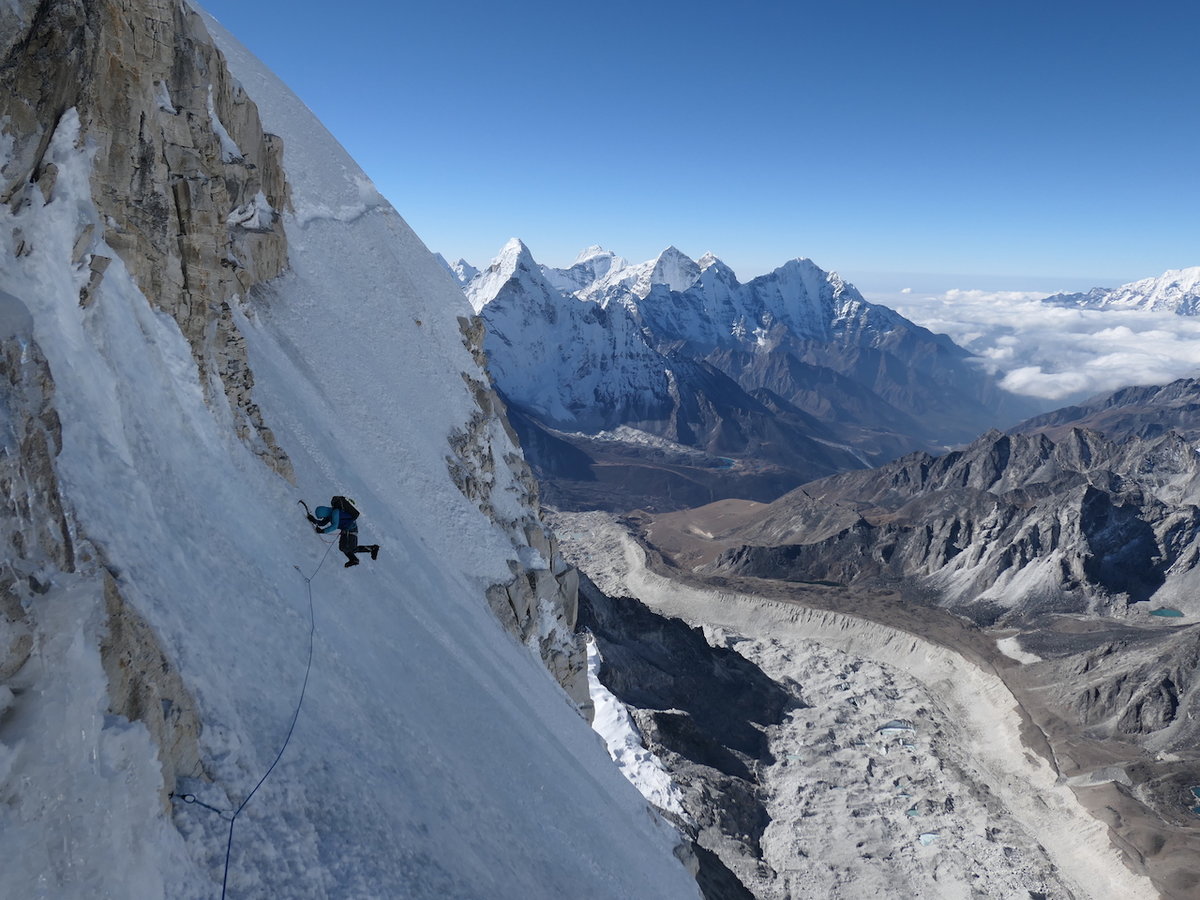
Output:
x=540 y=605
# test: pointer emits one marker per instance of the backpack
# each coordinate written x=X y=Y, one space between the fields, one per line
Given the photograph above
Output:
x=345 y=507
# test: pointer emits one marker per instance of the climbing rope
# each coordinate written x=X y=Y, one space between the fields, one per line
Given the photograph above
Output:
x=191 y=798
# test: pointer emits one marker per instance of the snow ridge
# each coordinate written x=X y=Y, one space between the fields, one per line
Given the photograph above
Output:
x=625 y=745
x=575 y=363
x=461 y=270
x=591 y=265
x=590 y=346
x=1176 y=290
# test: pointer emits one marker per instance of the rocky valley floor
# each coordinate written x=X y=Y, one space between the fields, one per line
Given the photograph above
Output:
x=906 y=765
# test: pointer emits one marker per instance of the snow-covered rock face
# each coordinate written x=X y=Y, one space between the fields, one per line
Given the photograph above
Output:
x=155 y=599
x=677 y=299
x=672 y=269
x=1176 y=290
x=592 y=264
x=186 y=182
x=703 y=303
x=605 y=343
x=573 y=363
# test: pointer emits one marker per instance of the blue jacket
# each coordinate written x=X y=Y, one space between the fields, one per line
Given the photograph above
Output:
x=337 y=521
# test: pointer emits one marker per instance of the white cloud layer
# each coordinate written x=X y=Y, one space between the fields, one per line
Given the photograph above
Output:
x=1060 y=354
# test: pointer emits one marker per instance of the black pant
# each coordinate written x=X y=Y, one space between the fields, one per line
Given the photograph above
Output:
x=348 y=544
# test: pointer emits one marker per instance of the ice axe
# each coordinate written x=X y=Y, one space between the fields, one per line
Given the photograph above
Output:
x=308 y=512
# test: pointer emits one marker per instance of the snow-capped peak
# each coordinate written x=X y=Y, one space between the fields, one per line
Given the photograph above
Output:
x=711 y=265
x=514 y=260
x=1176 y=290
x=512 y=253
x=591 y=265
x=675 y=269
x=462 y=271
x=562 y=357
x=593 y=252
x=672 y=269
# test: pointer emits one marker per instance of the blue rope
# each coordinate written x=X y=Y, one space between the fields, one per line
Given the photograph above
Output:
x=303 y=688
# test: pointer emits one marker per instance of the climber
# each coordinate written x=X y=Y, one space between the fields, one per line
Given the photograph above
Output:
x=340 y=515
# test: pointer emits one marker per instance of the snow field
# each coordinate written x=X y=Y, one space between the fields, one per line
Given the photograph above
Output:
x=1011 y=647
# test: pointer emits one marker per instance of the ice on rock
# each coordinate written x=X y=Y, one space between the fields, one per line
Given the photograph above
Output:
x=230 y=152
x=614 y=724
x=163 y=96
x=255 y=215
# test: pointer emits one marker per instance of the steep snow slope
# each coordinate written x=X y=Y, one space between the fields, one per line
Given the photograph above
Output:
x=433 y=756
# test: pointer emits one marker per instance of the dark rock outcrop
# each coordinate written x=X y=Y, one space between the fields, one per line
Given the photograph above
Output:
x=1144 y=412
x=544 y=588
x=1133 y=683
x=703 y=711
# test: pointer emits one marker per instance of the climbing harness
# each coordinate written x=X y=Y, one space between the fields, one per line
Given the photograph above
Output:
x=232 y=819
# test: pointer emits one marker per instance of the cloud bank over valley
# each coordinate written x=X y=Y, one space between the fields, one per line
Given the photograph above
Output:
x=1058 y=354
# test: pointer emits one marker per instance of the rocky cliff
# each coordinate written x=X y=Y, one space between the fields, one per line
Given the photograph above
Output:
x=540 y=605
x=1005 y=529
x=185 y=186
x=48 y=546
x=1138 y=411
x=706 y=713
x=188 y=185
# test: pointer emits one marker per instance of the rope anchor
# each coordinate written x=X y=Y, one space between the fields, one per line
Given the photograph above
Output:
x=193 y=800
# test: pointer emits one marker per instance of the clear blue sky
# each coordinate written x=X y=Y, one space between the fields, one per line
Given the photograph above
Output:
x=901 y=142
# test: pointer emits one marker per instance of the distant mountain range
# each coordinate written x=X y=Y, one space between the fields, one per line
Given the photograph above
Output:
x=1088 y=508
x=669 y=383
x=1007 y=528
x=1177 y=291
